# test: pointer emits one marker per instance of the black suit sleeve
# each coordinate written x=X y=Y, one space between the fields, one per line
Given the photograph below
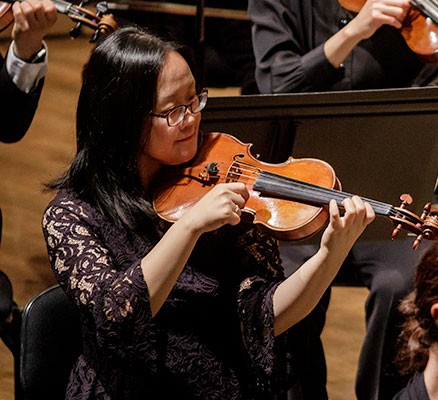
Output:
x=286 y=59
x=17 y=108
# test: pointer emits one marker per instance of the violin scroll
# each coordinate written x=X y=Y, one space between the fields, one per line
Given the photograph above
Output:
x=406 y=199
x=420 y=26
x=101 y=22
x=424 y=226
x=429 y=227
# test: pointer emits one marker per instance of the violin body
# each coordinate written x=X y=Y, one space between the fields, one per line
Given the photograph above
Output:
x=289 y=200
x=6 y=16
x=419 y=30
x=421 y=33
x=287 y=220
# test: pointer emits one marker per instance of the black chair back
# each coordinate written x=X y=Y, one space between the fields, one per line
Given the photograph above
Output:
x=50 y=344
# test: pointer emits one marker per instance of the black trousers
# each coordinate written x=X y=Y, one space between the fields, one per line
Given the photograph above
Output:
x=387 y=269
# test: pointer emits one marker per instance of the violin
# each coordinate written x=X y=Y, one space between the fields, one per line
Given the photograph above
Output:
x=289 y=199
x=420 y=26
x=101 y=22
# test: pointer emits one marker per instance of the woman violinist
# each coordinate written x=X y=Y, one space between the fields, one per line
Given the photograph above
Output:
x=196 y=310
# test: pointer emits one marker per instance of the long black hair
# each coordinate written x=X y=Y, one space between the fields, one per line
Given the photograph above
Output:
x=118 y=92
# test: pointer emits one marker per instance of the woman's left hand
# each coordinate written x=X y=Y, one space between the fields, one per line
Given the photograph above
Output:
x=343 y=231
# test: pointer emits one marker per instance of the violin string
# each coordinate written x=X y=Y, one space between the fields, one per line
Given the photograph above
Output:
x=326 y=194
x=304 y=190
x=322 y=193
x=318 y=193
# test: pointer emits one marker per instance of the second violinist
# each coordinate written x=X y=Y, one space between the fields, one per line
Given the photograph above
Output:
x=200 y=309
x=321 y=46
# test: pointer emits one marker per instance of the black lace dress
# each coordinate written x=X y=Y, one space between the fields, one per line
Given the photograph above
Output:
x=212 y=339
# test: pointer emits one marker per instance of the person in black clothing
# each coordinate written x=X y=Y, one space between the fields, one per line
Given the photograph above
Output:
x=22 y=73
x=316 y=45
x=307 y=46
x=24 y=66
x=418 y=354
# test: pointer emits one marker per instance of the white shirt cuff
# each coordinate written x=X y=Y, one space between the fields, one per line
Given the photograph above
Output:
x=25 y=75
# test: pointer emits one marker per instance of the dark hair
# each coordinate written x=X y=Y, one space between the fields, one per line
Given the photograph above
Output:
x=118 y=92
x=420 y=329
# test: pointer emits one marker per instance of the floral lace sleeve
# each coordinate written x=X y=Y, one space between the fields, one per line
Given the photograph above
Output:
x=112 y=296
x=268 y=355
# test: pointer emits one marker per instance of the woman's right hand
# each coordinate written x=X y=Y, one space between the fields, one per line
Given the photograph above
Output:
x=163 y=264
x=376 y=13
x=220 y=206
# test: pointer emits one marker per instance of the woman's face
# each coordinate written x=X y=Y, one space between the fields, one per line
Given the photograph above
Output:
x=178 y=144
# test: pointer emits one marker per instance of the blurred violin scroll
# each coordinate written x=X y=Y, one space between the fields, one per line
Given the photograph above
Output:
x=101 y=21
x=420 y=26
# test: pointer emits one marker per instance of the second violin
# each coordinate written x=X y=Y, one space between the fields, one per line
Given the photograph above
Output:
x=101 y=22
x=420 y=27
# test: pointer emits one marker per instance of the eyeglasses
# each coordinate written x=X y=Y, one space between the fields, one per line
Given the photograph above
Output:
x=176 y=115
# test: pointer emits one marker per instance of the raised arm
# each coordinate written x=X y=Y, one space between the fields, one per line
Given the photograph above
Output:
x=299 y=294
x=162 y=266
x=22 y=72
x=371 y=17
x=287 y=58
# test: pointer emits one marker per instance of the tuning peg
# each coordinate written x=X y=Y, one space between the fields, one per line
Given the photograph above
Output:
x=417 y=241
x=406 y=199
x=429 y=226
x=102 y=7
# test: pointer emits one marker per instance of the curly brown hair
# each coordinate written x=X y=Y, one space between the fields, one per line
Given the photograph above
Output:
x=420 y=329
